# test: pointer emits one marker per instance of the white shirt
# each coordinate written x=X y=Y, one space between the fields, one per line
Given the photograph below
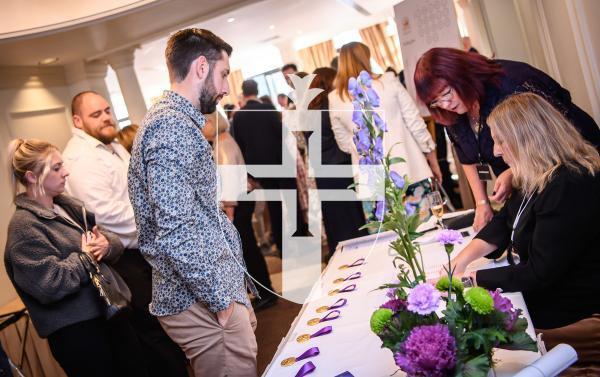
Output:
x=98 y=177
x=407 y=134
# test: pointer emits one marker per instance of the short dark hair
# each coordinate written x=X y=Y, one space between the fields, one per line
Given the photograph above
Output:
x=187 y=45
x=281 y=95
x=249 y=88
x=288 y=66
x=76 y=101
x=334 y=63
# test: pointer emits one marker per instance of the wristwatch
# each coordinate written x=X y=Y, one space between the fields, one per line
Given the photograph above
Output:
x=467 y=281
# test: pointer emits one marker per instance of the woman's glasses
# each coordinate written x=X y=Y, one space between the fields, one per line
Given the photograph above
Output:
x=444 y=98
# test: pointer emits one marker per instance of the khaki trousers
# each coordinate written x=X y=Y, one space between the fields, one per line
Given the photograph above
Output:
x=215 y=351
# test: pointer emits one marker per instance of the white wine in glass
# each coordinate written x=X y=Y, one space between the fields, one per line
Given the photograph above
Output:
x=436 y=204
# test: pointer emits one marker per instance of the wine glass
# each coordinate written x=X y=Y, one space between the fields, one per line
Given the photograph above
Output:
x=436 y=204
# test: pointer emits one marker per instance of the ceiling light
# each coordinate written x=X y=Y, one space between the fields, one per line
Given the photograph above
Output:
x=230 y=19
x=271 y=27
x=48 y=61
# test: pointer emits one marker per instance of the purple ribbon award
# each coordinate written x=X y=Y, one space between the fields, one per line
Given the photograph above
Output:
x=306 y=337
x=307 y=368
x=358 y=262
x=338 y=304
x=348 y=288
x=334 y=314
x=355 y=275
x=308 y=353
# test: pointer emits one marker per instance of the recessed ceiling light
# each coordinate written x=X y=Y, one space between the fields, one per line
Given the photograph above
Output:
x=271 y=27
x=230 y=19
x=48 y=61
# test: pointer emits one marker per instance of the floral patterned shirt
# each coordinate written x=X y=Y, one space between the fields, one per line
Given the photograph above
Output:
x=194 y=250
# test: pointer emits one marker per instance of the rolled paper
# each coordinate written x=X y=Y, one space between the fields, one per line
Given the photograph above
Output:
x=307 y=368
x=314 y=351
x=305 y=337
x=356 y=263
x=355 y=275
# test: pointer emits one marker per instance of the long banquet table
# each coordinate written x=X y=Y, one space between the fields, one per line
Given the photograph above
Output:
x=351 y=346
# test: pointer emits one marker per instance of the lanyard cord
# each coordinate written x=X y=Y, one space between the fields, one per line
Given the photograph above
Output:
x=518 y=217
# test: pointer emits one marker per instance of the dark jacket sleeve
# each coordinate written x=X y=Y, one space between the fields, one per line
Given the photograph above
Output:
x=562 y=218
x=39 y=271
x=497 y=231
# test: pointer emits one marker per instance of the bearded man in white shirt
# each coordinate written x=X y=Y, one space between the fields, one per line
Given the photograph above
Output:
x=98 y=167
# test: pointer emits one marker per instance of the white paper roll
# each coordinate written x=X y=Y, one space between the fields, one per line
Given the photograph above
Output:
x=552 y=363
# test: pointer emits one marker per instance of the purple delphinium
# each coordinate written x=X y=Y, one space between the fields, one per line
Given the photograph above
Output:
x=373 y=97
x=504 y=305
x=410 y=208
x=380 y=210
x=379 y=122
x=423 y=299
x=449 y=237
x=394 y=305
x=365 y=160
x=365 y=78
x=356 y=90
x=378 y=150
x=397 y=179
x=427 y=351
x=357 y=118
x=362 y=139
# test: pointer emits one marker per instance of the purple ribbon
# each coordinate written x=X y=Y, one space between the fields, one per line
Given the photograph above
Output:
x=308 y=353
x=348 y=288
x=357 y=262
x=338 y=304
x=327 y=316
x=324 y=331
x=355 y=275
x=307 y=368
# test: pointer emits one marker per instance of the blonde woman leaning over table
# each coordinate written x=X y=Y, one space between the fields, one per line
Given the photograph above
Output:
x=556 y=242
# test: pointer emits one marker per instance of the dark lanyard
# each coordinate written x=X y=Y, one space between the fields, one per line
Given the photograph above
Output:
x=479 y=125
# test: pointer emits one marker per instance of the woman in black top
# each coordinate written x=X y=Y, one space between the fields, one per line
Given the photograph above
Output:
x=554 y=216
x=461 y=89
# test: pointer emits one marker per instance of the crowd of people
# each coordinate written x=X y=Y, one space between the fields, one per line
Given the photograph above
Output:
x=143 y=203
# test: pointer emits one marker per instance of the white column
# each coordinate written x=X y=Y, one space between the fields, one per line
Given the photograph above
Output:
x=476 y=26
x=122 y=63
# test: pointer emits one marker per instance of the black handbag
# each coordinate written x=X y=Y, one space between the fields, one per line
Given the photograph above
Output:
x=111 y=287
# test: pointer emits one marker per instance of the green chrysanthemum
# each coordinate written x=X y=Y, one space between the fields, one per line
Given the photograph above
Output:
x=380 y=319
x=480 y=300
x=442 y=284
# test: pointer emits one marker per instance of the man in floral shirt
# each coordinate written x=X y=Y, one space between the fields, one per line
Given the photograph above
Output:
x=199 y=282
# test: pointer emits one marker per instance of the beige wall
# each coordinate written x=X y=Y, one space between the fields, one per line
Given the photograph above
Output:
x=33 y=103
x=504 y=31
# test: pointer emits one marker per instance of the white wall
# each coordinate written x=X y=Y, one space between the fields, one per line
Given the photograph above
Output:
x=34 y=102
x=504 y=31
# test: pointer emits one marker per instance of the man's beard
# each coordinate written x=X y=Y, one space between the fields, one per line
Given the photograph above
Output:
x=209 y=97
x=106 y=138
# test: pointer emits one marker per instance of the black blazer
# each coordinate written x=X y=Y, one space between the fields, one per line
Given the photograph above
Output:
x=558 y=241
x=258 y=132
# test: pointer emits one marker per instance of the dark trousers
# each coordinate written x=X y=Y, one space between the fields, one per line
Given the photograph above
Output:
x=275 y=210
x=342 y=220
x=97 y=348
x=162 y=355
x=255 y=261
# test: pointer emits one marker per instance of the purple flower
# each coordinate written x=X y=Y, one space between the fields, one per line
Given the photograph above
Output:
x=365 y=160
x=356 y=106
x=504 y=305
x=357 y=117
x=410 y=208
x=427 y=351
x=365 y=78
x=449 y=237
x=397 y=179
x=362 y=139
x=356 y=90
x=380 y=210
x=395 y=305
x=379 y=122
x=378 y=149
x=373 y=97
x=423 y=299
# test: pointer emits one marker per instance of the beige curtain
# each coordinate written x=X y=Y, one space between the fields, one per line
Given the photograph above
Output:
x=235 y=80
x=385 y=49
x=319 y=55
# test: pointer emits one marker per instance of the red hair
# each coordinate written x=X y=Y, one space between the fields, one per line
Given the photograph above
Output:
x=467 y=73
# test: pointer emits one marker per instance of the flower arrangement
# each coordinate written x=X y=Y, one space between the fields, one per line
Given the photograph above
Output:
x=426 y=337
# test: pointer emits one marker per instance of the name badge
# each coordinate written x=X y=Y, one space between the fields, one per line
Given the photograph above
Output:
x=483 y=171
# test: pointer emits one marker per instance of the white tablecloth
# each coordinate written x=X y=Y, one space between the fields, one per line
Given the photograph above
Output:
x=352 y=346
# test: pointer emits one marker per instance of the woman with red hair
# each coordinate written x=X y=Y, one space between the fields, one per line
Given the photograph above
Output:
x=461 y=89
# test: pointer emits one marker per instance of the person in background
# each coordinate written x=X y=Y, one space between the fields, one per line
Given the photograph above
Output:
x=287 y=70
x=334 y=63
x=550 y=223
x=467 y=46
x=282 y=101
x=266 y=99
x=461 y=89
x=46 y=236
x=98 y=166
x=199 y=279
x=407 y=134
x=126 y=135
x=240 y=212
x=331 y=154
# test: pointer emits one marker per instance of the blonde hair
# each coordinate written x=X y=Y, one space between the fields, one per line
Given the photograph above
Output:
x=354 y=58
x=127 y=135
x=539 y=139
x=29 y=155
